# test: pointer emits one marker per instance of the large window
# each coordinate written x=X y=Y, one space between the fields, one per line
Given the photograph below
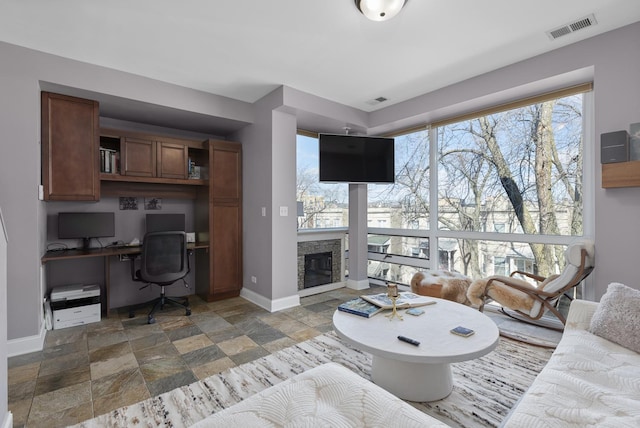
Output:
x=404 y=204
x=505 y=191
x=514 y=172
x=487 y=193
x=320 y=205
x=518 y=171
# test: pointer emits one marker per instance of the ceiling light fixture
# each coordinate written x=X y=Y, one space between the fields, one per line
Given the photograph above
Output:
x=380 y=10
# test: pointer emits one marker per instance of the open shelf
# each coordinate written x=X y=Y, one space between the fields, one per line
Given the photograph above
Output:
x=621 y=174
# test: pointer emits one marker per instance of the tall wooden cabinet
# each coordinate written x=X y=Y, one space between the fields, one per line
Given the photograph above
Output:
x=70 y=159
x=219 y=217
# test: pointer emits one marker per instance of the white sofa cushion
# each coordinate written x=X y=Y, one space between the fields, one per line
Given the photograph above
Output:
x=588 y=382
x=618 y=316
x=326 y=396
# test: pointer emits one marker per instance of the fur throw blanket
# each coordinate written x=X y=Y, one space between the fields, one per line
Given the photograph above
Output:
x=442 y=284
x=503 y=294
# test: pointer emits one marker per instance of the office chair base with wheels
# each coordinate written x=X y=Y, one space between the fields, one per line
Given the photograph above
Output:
x=164 y=261
x=159 y=303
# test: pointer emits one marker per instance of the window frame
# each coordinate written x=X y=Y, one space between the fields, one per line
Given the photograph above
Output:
x=435 y=233
x=587 y=174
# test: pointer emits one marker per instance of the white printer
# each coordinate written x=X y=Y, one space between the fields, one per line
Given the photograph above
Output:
x=75 y=304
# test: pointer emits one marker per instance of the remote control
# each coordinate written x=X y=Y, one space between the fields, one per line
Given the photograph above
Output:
x=411 y=341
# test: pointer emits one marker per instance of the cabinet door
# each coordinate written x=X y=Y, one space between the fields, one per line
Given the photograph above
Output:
x=226 y=174
x=70 y=140
x=139 y=158
x=172 y=160
x=226 y=250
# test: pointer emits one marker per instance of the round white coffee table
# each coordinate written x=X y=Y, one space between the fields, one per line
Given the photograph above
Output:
x=419 y=373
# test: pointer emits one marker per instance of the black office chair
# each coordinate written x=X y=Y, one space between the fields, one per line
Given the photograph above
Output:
x=164 y=261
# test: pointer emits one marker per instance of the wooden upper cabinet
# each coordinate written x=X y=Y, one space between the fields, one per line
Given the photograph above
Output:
x=139 y=158
x=70 y=141
x=172 y=160
x=149 y=158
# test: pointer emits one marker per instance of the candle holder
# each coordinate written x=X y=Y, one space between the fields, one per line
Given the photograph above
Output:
x=392 y=292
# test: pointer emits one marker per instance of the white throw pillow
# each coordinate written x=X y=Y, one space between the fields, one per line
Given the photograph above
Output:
x=617 y=318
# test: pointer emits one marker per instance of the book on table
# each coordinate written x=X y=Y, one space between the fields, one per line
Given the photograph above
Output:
x=360 y=307
x=406 y=299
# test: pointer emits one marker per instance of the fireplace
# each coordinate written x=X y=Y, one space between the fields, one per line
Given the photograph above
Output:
x=317 y=269
x=319 y=263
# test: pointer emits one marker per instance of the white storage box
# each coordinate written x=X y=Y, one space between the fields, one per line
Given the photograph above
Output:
x=75 y=304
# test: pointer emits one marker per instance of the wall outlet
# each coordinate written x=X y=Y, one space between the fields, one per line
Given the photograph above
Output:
x=284 y=211
x=254 y=279
x=264 y=211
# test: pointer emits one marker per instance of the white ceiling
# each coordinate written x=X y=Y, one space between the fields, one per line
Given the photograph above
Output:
x=244 y=49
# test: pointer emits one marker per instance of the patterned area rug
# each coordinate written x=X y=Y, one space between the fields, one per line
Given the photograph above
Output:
x=484 y=390
x=525 y=332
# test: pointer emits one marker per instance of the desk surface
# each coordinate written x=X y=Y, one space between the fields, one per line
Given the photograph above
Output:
x=105 y=252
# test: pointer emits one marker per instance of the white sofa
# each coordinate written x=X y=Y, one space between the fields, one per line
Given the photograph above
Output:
x=588 y=382
x=326 y=396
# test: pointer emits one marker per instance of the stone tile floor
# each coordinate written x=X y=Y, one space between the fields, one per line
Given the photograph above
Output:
x=89 y=370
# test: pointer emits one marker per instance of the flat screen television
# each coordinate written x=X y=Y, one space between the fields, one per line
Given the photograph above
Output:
x=86 y=226
x=356 y=159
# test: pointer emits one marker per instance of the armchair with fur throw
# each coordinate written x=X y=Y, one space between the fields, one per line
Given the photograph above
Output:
x=532 y=301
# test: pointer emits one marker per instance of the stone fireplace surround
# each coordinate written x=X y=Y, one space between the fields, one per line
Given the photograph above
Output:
x=320 y=246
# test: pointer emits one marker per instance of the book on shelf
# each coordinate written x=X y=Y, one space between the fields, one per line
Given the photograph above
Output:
x=109 y=160
x=406 y=299
x=360 y=307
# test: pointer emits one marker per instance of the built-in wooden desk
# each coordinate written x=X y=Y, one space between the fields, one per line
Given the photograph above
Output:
x=106 y=253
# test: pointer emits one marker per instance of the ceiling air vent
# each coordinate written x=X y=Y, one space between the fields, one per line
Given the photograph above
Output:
x=376 y=101
x=579 y=24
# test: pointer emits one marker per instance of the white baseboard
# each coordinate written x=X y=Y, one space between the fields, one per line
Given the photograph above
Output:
x=268 y=304
x=255 y=298
x=285 y=303
x=25 y=345
x=8 y=420
x=358 y=285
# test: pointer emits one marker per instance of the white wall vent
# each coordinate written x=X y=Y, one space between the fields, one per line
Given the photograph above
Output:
x=579 y=24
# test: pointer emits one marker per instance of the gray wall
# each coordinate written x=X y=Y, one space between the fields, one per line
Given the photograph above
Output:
x=617 y=104
x=257 y=194
x=269 y=174
x=4 y=391
x=612 y=60
x=284 y=242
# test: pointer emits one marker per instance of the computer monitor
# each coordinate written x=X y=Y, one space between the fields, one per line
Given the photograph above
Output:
x=164 y=222
x=85 y=226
